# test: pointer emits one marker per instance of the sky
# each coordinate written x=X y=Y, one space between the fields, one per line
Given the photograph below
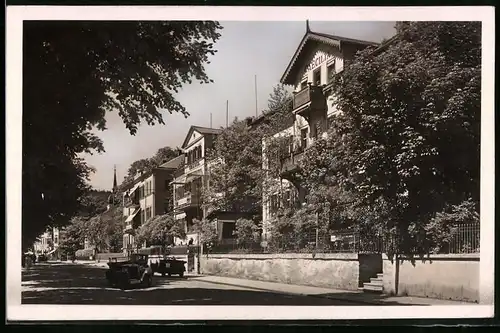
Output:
x=245 y=49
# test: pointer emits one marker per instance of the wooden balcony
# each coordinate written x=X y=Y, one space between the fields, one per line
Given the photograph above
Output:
x=131 y=202
x=309 y=99
x=188 y=201
x=289 y=164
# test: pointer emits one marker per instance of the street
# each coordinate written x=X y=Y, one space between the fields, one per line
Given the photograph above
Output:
x=66 y=283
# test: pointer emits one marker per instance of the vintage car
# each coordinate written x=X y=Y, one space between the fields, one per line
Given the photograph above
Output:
x=134 y=271
x=42 y=258
x=169 y=265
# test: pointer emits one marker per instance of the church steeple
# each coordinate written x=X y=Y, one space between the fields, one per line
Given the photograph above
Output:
x=115 y=184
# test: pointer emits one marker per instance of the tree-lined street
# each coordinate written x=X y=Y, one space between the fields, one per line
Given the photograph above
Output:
x=65 y=283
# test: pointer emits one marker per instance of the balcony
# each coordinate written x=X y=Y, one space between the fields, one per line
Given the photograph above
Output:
x=189 y=200
x=193 y=165
x=289 y=165
x=308 y=99
x=133 y=221
x=131 y=202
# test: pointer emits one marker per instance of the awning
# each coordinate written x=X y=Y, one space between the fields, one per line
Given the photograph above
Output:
x=193 y=176
x=131 y=216
x=132 y=190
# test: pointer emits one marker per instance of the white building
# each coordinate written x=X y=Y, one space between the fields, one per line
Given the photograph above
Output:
x=191 y=178
x=317 y=59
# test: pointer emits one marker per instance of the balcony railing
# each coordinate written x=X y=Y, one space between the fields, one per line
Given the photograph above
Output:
x=131 y=202
x=189 y=200
x=290 y=163
x=313 y=94
x=193 y=165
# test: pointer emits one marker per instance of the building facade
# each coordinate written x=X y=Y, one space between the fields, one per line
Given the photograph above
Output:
x=191 y=178
x=310 y=72
x=146 y=196
x=48 y=242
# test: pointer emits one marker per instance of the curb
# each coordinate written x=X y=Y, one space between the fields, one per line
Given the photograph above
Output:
x=291 y=293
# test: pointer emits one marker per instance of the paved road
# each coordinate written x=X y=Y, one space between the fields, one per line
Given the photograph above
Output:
x=63 y=283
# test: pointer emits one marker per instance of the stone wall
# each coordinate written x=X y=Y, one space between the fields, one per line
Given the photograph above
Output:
x=338 y=271
x=453 y=277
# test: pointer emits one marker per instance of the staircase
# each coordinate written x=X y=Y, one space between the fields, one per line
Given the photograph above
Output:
x=376 y=285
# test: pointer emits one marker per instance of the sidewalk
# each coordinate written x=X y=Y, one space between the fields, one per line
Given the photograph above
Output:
x=344 y=295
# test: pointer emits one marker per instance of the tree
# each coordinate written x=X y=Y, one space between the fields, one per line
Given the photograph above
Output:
x=406 y=146
x=74 y=72
x=247 y=232
x=206 y=230
x=160 y=230
x=236 y=183
x=73 y=238
x=113 y=224
x=146 y=165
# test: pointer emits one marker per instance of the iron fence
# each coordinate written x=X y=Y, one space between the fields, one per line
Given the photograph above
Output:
x=464 y=238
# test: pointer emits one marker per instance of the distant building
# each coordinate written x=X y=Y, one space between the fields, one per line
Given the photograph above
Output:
x=146 y=196
x=48 y=243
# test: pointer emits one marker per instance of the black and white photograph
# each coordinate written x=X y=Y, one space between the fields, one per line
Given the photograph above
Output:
x=281 y=164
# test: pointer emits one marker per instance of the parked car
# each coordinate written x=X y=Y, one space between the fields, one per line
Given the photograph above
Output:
x=134 y=271
x=170 y=266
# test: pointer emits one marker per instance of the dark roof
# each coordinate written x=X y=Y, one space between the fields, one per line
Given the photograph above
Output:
x=316 y=37
x=173 y=163
x=202 y=130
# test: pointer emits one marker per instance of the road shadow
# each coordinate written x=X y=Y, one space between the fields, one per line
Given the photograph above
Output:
x=172 y=296
x=364 y=299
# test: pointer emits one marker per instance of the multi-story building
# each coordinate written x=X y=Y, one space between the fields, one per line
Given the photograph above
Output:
x=147 y=196
x=315 y=62
x=190 y=179
x=48 y=242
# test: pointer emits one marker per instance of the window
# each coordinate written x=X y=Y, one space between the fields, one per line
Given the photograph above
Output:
x=303 y=138
x=330 y=72
x=274 y=204
x=286 y=199
x=316 y=130
x=303 y=84
x=227 y=230
x=317 y=77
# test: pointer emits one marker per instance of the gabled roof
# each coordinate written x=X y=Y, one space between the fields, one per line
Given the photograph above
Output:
x=202 y=130
x=311 y=37
x=173 y=163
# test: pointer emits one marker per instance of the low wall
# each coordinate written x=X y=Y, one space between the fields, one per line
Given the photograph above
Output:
x=451 y=277
x=106 y=256
x=336 y=270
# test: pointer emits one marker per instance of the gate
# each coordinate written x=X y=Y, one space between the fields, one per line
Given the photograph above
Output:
x=190 y=262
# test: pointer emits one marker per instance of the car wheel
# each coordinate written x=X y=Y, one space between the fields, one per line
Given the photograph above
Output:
x=169 y=274
x=163 y=274
x=181 y=274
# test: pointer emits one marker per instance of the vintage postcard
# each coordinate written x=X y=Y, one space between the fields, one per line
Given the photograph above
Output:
x=211 y=163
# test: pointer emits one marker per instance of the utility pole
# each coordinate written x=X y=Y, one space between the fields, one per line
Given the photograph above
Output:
x=227 y=113
x=256 y=112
